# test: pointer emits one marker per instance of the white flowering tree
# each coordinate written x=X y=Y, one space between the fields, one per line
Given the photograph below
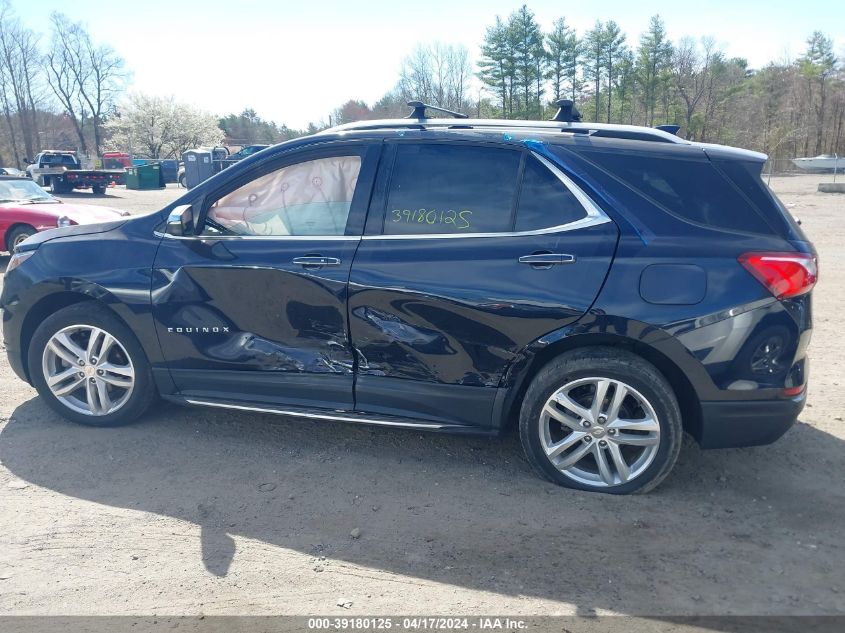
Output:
x=160 y=127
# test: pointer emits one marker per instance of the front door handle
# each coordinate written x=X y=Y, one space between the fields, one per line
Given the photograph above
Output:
x=316 y=261
x=544 y=260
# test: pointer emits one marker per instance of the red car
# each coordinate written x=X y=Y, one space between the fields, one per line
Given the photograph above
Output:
x=25 y=209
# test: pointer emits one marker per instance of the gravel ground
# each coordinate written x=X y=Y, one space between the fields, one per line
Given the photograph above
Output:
x=202 y=512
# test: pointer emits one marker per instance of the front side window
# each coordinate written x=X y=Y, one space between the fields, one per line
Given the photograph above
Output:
x=437 y=189
x=308 y=198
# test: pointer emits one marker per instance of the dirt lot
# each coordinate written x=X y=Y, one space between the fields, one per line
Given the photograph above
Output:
x=192 y=511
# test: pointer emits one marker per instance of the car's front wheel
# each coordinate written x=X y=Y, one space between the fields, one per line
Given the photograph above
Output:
x=89 y=367
x=603 y=420
x=18 y=235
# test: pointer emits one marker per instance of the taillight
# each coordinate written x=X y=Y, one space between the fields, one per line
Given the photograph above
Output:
x=784 y=274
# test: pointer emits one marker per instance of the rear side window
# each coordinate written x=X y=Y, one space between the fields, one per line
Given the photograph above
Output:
x=436 y=189
x=544 y=201
x=693 y=190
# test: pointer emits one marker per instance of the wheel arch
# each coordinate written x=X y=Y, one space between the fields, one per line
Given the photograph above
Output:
x=10 y=229
x=46 y=306
x=522 y=373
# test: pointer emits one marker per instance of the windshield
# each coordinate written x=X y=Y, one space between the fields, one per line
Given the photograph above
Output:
x=22 y=191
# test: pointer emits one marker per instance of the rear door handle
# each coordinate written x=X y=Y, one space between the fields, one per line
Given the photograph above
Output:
x=316 y=261
x=547 y=259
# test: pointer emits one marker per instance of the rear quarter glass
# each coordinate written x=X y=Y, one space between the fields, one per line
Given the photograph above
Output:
x=692 y=189
x=747 y=177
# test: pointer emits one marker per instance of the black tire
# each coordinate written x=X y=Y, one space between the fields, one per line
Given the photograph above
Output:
x=618 y=365
x=183 y=181
x=89 y=313
x=56 y=185
x=98 y=190
x=18 y=234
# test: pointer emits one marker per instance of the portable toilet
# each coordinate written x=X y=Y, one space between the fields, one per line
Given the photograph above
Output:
x=198 y=166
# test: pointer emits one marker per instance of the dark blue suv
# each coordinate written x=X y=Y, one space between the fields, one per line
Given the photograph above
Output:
x=604 y=287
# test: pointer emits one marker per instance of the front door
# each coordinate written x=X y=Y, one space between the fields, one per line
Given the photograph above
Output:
x=471 y=253
x=253 y=308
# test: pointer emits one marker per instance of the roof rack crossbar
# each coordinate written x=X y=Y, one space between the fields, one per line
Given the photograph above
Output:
x=567 y=112
x=420 y=108
x=670 y=129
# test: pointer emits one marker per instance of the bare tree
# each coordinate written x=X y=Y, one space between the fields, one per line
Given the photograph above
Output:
x=61 y=77
x=438 y=74
x=690 y=72
x=416 y=79
x=19 y=73
x=458 y=77
x=86 y=78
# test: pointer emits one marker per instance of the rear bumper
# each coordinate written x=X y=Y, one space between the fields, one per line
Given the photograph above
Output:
x=732 y=424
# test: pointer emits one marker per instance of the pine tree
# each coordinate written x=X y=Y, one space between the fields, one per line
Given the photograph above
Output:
x=529 y=57
x=556 y=43
x=817 y=65
x=625 y=86
x=614 y=48
x=496 y=65
x=595 y=70
x=653 y=57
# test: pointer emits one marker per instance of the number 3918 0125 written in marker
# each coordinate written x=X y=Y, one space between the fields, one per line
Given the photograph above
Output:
x=459 y=219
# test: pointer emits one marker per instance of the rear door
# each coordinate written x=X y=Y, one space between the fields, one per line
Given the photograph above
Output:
x=471 y=252
x=254 y=308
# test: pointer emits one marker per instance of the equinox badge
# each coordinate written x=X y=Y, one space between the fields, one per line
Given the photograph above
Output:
x=197 y=330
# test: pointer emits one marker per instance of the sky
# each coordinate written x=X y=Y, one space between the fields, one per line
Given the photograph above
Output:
x=294 y=62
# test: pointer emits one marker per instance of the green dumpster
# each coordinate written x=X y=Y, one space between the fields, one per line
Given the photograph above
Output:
x=144 y=177
x=131 y=178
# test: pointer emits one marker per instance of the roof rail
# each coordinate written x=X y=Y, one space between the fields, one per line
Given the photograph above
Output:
x=420 y=108
x=603 y=130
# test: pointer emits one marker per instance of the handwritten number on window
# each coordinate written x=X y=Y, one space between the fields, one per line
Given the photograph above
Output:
x=460 y=220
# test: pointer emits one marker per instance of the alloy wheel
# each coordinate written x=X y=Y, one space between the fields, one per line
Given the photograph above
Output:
x=88 y=370
x=767 y=357
x=599 y=431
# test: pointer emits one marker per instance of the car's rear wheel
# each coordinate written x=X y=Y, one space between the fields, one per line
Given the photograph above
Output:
x=603 y=420
x=90 y=368
x=98 y=190
x=183 y=181
x=18 y=235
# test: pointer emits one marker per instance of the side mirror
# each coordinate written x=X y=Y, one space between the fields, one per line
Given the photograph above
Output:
x=180 y=222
